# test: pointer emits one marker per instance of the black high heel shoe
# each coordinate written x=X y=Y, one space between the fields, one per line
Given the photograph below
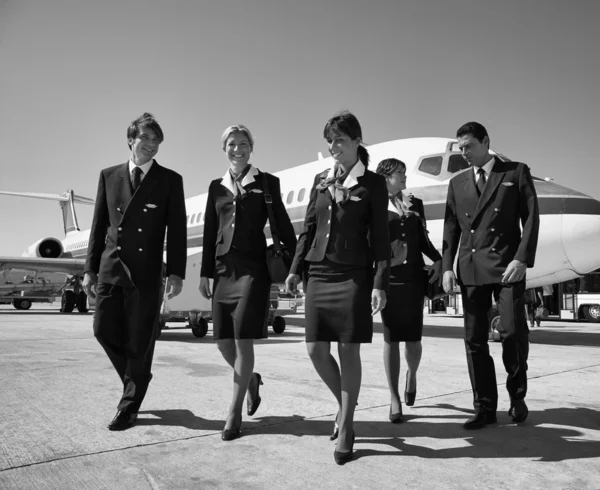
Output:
x=342 y=458
x=252 y=406
x=409 y=396
x=231 y=434
x=396 y=418
x=336 y=429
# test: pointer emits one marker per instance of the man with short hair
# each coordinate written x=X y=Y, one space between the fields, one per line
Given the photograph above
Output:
x=137 y=203
x=486 y=208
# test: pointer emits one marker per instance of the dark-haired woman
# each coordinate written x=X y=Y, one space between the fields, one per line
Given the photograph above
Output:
x=403 y=315
x=234 y=256
x=345 y=232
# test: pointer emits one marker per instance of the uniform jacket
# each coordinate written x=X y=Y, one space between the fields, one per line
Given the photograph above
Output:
x=239 y=224
x=353 y=233
x=410 y=240
x=127 y=237
x=489 y=227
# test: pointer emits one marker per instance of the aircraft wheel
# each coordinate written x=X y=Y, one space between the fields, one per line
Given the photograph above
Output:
x=591 y=313
x=494 y=334
x=67 y=301
x=200 y=328
x=278 y=324
x=22 y=304
x=82 y=305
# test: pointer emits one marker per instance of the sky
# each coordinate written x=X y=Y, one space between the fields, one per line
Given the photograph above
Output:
x=74 y=74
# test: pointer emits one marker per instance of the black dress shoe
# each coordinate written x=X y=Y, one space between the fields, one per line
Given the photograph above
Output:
x=123 y=420
x=342 y=458
x=254 y=403
x=336 y=429
x=396 y=418
x=409 y=396
x=231 y=434
x=518 y=411
x=480 y=419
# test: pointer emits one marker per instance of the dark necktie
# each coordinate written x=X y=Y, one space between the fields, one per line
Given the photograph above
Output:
x=480 y=180
x=136 y=178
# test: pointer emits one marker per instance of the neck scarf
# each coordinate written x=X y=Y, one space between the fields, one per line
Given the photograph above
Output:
x=340 y=192
x=238 y=191
x=402 y=204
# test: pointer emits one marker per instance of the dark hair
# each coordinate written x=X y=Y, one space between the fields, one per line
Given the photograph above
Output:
x=477 y=130
x=346 y=123
x=388 y=166
x=146 y=119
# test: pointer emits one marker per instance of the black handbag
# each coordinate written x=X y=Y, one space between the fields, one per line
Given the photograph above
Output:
x=279 y=258
x=433 y=290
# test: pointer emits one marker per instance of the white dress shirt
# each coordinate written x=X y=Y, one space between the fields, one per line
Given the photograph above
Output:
x=487 y=168
x=145 y=168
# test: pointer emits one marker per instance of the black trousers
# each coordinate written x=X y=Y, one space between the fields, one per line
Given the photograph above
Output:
x=477 y=306
x=126 y=326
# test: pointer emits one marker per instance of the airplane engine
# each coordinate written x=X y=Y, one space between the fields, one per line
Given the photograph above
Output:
x=49 y=248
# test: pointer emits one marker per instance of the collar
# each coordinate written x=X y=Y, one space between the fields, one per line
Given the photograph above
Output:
x=227 y=181
x=405 y=198
x=487 y=168
x=145 y=168
x=358 y=170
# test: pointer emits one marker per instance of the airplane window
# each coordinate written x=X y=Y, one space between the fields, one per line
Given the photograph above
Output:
x=193 y=218
x=301 y=195
x=290 y=197
x=199 y=218
x=456 y=163
x=431 y=165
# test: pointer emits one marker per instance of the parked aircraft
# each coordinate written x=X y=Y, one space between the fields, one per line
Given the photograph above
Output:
x=567 y=247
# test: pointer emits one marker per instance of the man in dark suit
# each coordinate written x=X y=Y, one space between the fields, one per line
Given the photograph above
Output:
x=137 y=202
x=492 y=211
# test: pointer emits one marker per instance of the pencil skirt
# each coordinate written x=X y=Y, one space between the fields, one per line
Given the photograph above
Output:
x=240 y=297
x=338 y=303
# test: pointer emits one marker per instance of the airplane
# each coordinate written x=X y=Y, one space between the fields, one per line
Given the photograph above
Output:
x=567 y=246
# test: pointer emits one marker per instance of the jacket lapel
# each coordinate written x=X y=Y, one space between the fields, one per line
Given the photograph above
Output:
x=470 y=196
x=123 y=188
x=496 y=177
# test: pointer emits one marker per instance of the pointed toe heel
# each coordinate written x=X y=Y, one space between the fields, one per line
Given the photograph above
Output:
x=341 y=458
x=409 y=396
x=254 y=403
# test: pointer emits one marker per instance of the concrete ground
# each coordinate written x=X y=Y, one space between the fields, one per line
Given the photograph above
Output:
x=58 y=391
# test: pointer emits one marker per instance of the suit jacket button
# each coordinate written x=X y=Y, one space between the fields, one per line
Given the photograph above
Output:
x=472 y=231
x=118 y=209
x=232 y=225
x=139 y=229
x=119 y=228
x=327 y=236
x=119 y=247
x=328 y=221
x=493 y=249
x=404 y=244
x=473 y=250
x=467 y=215
x=403 y=234
x=493 y=229
x=145 y=210
x=329 y=207
x=496 y=210
x=140 y=249
x=404 y=262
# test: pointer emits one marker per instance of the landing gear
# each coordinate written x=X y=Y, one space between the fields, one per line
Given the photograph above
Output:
x=21 y=304
x=81 y=302
x=278 y=324
x=67 y=301
x=199 y=326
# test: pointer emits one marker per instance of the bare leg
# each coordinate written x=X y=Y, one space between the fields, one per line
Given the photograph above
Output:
x=227 y=349
x=242 y=371
x=326 y=366
x=391 y=361
x=412 y=353
x=351 y=374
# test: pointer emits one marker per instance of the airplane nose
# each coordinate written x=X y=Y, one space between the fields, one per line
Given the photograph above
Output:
x=581 y=233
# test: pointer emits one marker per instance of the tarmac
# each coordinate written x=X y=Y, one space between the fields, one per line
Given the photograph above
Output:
x=59 y=391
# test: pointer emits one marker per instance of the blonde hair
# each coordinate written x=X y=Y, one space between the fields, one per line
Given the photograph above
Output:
x=235 y=129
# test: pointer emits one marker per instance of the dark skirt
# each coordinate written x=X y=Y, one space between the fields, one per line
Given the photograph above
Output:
x=240 y=298
x=338 y=303
x=403 y=314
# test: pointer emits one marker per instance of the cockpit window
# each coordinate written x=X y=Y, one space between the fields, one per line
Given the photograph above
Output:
x=431 y=165
x=456 y=163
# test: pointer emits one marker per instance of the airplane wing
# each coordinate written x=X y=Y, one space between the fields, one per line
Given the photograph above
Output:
x=39 y=264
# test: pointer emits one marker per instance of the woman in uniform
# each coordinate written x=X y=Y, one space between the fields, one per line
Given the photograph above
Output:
x=234 y=248
x=345 y=233
x=403 y=315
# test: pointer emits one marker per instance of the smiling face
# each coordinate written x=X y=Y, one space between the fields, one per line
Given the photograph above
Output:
x=476 y=153
x=396 y=182
x=238 y=150
x=144 y=146
x=343 y=149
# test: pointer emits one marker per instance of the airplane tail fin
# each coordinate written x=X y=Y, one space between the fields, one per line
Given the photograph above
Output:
x=66 y=202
